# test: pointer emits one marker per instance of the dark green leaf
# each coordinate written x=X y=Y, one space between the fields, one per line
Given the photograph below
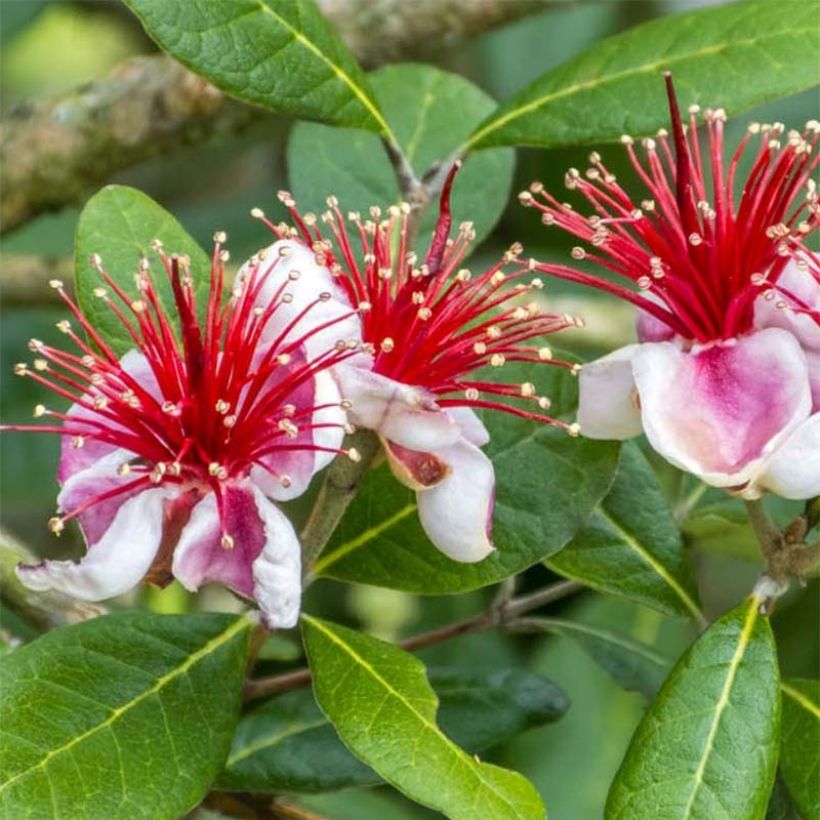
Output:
x=547 y=484
x=280 y=54
x=632 y=664
x=124 y=716
x=17 y=16
x=119 y=224
x=632 y=546
x=707 y=746
x=431 y=113
x=734 y=56
x=800 y=744
x=379 y=700
x=289 y=746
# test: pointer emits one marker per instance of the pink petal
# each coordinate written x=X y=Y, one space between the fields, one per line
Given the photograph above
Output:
x=200 y=558
x=100 y=476
x=263 y=563
x=402 y=413
x=649 y=328
x=284 y=260
x=74 y=459
x=299 y=466
x=116 y=562
x=793 y=471
x=607 y=400
x=718 y=411
x=457 y=513
x=770 y=310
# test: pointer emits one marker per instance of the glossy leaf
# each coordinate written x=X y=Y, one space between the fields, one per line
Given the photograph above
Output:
x=708 y=745
x=632 y=546
x=280 y=54
x=119 y=223
x=126 y=715
x=633 y=665
x=288 y=745
x=734 y=56
x=800 y=744
x=547 y=485
x=378 y=698
x=431 y=113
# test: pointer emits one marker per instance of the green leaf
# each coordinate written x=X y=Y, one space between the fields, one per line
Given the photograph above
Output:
x=633 y=665
x=800 y=744
x=431 y=113
x=547 y=485
x=119 y=224
x=289 y=746
x=734 y=56
x=632 y=546
x=708 y=745
x=280 y=54
x=122 y=716
x=379 y=700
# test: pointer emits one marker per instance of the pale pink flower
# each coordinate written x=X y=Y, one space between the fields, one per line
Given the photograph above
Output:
x=725 y=378
x=427 y=327
x=173 y=454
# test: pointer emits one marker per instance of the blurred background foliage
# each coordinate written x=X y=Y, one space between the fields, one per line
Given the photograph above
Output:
x=52 y=47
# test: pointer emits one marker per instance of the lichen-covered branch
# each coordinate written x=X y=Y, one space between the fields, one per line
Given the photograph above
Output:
x=383 y=31
x=53 y=153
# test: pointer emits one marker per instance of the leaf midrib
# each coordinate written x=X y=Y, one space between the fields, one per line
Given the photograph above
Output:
x=214 y=643
x=723 y=702
x=597 y=82
x=460 y=755
x=337 y=70
x=654 y=564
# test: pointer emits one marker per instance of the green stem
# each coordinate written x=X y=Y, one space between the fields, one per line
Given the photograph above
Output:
x=341 y=483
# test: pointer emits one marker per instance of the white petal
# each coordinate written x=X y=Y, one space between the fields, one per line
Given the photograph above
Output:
x=718 y=412
x=312 y=280
x=457 y=513
x=607 y=407
x=117 y=562
x=402 y=413
x=301 y=465
x=793 y=471
x=770 y=312
x=471 y=426
x=277 y=573
x=327 y=393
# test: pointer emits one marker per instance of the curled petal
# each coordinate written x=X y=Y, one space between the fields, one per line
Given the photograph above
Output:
x=471 y=426
x=404 y=414
x=260 y=561
x=457 y=513
x=415 y=469
x=718 y=412
x=292 y=265
x=607 y=401
x=793 y=471
x=116 y=562
x=277 y=572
